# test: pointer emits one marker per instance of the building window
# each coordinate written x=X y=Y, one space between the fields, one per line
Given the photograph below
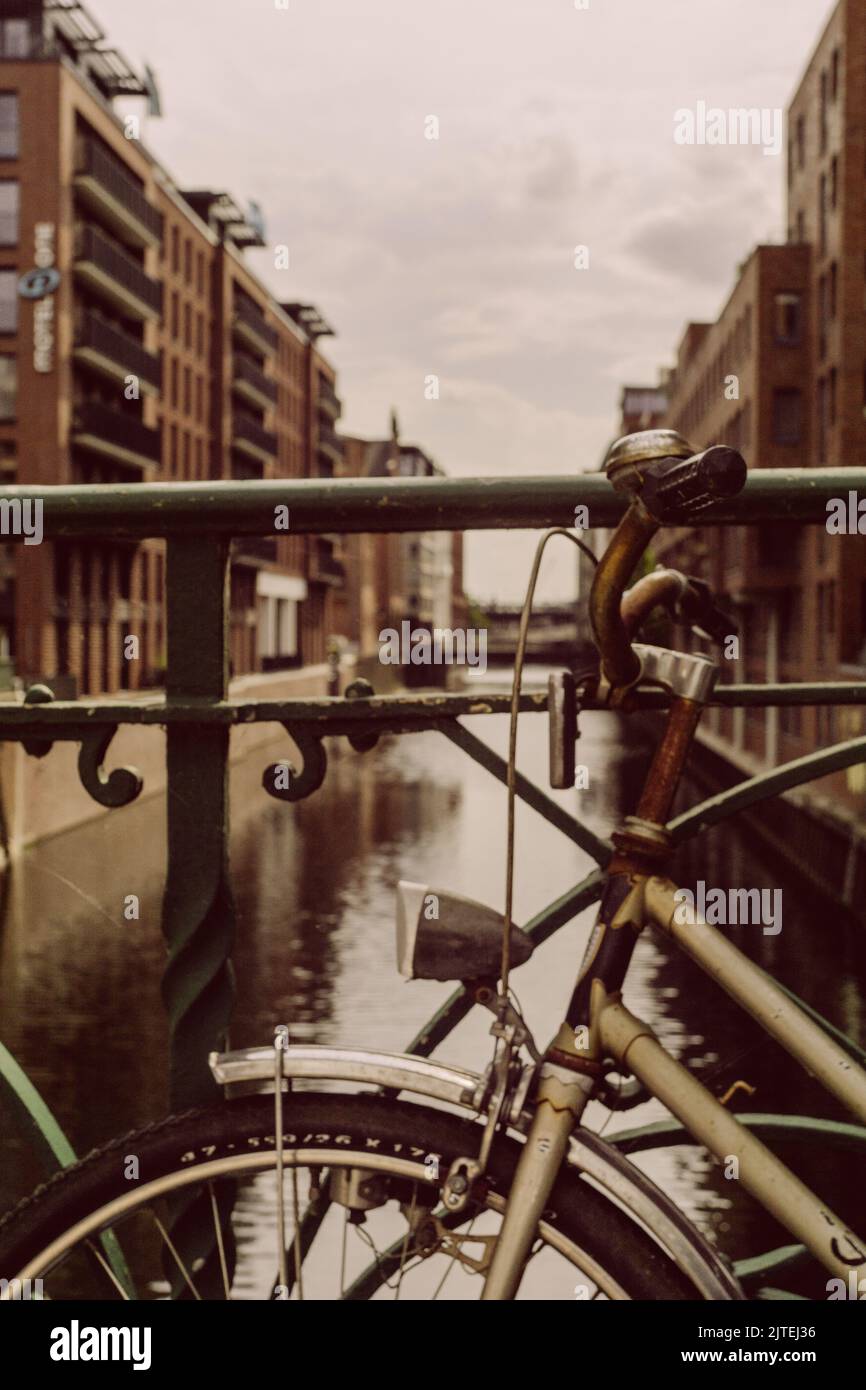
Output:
x=801 y=142
x=9 y=131
x=175 y=250
x=834 y=181
x=787 y=415
x=801 y=227
x=822 y=213
x=175 y=316
x=834 y=75
x=8 y=301
x=15 y=38
x=831 y=403
x=199 y=334
x=187 y=261
x=834 y=288
x=174 y=395
x=9 y=196
x=199 y=272
x=187 y=326
x=187 y=391
x=8 y=388
x=787 y=318
x=823 y=121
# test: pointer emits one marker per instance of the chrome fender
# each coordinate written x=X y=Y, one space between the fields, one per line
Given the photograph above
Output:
x=254 y=1068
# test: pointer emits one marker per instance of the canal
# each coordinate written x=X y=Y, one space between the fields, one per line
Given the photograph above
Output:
x=314 y=887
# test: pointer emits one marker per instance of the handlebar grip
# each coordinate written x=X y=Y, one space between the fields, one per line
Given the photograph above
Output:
x=678 y=489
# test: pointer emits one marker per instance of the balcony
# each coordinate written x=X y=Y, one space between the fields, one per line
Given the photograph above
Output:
x=255 y=550
x=330 y=445
x=251 y=383
x=247 y=470
x=104 y=185
x=325 y=568
x=116 y=277
x=115 y=435
x=328 y=401
x=114 y=354
x=252 y=439
x=250 y=327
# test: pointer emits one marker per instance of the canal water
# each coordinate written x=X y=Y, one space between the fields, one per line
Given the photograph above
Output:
x=314 y=886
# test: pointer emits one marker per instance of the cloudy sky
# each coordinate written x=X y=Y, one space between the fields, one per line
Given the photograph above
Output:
x=455 y=256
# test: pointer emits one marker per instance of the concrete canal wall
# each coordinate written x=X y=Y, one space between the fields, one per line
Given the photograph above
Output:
x=817 y=835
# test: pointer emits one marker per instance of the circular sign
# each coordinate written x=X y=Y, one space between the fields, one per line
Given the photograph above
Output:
x=36 y=284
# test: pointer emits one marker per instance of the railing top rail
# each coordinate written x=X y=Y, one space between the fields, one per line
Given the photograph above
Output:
x=404 y=504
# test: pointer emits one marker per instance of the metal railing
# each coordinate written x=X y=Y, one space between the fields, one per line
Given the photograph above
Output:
x=103 y=338
x=198 y=715
x=132 y=440
x=92 y=246
x=94 y=162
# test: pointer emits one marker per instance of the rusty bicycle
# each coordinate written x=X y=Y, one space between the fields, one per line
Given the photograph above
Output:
x=382 y=1174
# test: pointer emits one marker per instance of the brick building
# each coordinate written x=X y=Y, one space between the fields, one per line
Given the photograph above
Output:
x=416 y=577
x=781 y=375
x=141 y=347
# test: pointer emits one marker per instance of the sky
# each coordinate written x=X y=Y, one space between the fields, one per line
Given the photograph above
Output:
x=454 y=257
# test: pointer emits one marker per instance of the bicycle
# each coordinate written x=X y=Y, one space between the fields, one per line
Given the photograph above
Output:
x=492 y=1173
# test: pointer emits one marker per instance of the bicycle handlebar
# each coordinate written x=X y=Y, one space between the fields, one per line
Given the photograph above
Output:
x=669 y=483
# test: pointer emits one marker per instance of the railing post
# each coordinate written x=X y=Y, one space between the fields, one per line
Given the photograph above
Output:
x=198 y=912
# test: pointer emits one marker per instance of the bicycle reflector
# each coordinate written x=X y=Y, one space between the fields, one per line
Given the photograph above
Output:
x=441 y=936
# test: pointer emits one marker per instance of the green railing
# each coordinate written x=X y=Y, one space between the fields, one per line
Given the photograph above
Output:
x=198 y=522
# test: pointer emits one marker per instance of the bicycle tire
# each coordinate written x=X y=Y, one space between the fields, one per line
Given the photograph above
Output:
x=365 y=1125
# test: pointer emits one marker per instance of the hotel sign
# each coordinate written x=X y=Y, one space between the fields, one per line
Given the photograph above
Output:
x=39 y=285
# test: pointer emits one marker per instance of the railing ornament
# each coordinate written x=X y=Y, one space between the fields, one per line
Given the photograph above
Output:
x=285 y=782
x=112 y=789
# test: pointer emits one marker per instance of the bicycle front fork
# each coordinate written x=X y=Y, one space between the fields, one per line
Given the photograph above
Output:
x=561 y=1099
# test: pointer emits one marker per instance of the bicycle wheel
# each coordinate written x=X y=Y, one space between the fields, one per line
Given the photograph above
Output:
x=362 y=1183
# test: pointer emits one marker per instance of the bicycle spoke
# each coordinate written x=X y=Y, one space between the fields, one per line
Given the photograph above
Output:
x=343 y=1255
x=452 y=1262
x=176 y=1257
x=296 y=1235
x=217 y=1225
x=108 y=1271
x=406 y=1242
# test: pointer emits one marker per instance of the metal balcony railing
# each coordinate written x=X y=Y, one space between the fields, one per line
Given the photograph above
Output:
x=94 y=162
x=330 y=442
x=248 y=317
x=248 y=431
x=103 y=340
x=121 y=436
x=93 y=248
x=197 y=714
x=328 y=401
x=246 y=373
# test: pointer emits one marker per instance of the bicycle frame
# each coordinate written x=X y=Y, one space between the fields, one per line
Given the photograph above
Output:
x=599 y=1027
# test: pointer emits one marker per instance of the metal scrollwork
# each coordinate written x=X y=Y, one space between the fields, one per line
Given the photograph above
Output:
x=285 y=782
x=112 y=789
